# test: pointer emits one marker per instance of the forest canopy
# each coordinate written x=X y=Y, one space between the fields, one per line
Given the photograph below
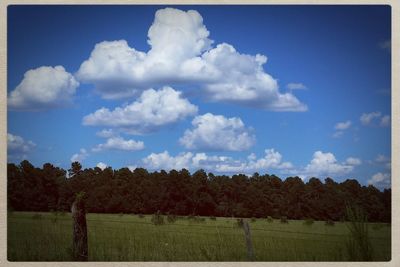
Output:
x=180 y=192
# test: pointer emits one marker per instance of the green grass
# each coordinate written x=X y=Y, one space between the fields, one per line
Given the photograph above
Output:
x=32 y=237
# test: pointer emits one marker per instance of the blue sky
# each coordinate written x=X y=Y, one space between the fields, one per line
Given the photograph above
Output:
x=289 y=90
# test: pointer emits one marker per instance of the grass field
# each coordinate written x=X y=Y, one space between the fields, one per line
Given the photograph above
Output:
x=114 y=237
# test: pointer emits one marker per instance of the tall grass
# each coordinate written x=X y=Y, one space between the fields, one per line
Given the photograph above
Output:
x=129 y=238
x=359 y=245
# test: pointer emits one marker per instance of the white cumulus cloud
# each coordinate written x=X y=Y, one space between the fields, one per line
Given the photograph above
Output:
x=151 y=111
x=18 y=147
x=217 y=133
x=43 y=88
x=81 y=156
x=101 y=165
x=353 y=161
x=343 y=125
x=326 y=164
x=166 y=162
x=217 y=164
x=380 y=180
x=181 y=53
x=118 y=143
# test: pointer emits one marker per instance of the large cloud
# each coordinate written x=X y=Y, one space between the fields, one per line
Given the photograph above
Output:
x=322 y=164
x=217 y=133
x=181 y=53
x=153 y=109
x=218 y=164
x=43 y=88
x=17 y=147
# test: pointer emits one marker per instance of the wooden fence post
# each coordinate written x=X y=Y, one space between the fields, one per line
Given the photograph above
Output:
x=80 y=244
x=249 y=244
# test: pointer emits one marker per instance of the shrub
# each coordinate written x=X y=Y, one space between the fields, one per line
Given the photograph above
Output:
x=270 y=219
x=358 y=246
x=141 y=216
x=239 y=222
x=284 y=219
x=198 y=219
x=120 y=214
x=330 y=223
x=171 y=218
x=308 y=221
x=213 y=218
x=157 y=219
x=253 y=219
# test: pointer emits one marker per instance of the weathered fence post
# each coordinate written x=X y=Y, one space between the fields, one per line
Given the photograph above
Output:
x=80 y=245
x=249 y=244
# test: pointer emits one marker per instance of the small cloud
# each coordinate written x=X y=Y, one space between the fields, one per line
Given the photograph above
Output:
x=326 y=164
x=337 y=134
x=382 y=158
x=106 y=133
x=43 y=88
x=380 y=180
x=367 y=118
x=17 y=147
x=371 y=119
x=343 y=125
x=118 y=143
x=217 y=133
x=101 y=165
x=353 y=161
x=296 y=86
x=132 y=167
x=385 y=121
x=81 y=156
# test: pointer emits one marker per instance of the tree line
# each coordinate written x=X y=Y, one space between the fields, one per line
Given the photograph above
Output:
x=181 y=193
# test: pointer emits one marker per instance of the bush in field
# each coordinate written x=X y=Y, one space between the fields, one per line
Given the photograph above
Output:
x=157 y=219
x=141 y=216
x=329 y=223
x=308 y=221
x=198 y=219
x=270 y=219
x=213 y=218
x=239 y=222
x=171 y=218
x=359 y=247
x=253 y=219
x=284 y=219
x=120 y=214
